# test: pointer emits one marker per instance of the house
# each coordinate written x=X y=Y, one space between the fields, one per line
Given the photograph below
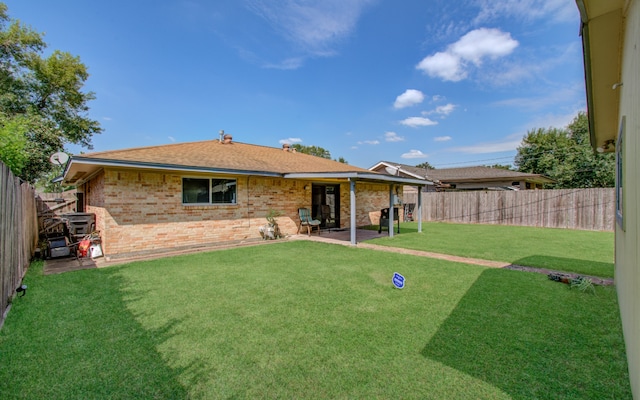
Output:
x=610 y=34
x=466 y=178
x=185 y=195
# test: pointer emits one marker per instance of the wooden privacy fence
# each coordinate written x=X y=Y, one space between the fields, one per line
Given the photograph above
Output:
x=18 y=234
x=585 y=209
x=56 y=203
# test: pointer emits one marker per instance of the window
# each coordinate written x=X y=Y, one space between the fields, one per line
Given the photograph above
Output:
x=208 y=191
x=620 y=174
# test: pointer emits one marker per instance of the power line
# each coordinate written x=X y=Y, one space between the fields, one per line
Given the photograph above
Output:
x=538 y=154
x=476 y=161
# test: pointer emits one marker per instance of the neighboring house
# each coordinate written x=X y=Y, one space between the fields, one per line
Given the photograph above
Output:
x=194 y=194
x=610 y=35
x=467 y=178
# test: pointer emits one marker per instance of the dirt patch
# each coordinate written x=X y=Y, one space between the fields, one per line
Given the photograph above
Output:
x=596 y=280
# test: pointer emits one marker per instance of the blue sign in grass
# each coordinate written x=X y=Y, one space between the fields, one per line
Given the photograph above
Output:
x=398 y=280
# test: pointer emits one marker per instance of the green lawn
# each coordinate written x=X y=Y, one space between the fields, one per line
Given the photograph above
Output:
x=582 y=252
x=309 y=320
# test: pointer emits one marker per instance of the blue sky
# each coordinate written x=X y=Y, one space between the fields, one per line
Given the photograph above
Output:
x=454 y=83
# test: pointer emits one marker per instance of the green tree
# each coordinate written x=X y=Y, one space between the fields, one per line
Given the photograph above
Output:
x=13 y=143
x=502 y=166
x=313 y=150
x=425 y=165
x=566 y=156
x=342 y=160
x=42 y=105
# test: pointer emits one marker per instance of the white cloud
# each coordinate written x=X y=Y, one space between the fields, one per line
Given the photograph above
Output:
x=371 y=142
x=393 y=137
x=474 y=47
x=107 y=118
x=410 y=97
x=446 y=109
x=437 y=98
x=415 y=122
x=313 y=26
x=528 y=10
x=442 y=138
x=290 y=140
x=441 y=110
x=447 y=66
x=572 y=94
x=288 y=64
x=553 y=120
x=510 y=143
x=171 y=138
x=483 y=42
x=414 y=154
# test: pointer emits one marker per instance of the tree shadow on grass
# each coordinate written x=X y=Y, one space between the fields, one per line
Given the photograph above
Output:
x=583 y=267
x=534 y=338
x=72 y=336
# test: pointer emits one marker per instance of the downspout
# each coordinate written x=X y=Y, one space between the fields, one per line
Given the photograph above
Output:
x=420 y=208
x=390 y=220
x=352 y=191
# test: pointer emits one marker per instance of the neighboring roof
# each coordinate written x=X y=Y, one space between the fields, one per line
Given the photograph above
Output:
x=601 y=30
x=464 y=174
x=214 y=156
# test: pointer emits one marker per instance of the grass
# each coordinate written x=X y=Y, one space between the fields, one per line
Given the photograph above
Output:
x=309 y=320
x=582 y=252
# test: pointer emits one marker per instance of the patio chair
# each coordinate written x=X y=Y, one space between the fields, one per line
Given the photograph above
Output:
x=306 y=220
x=384 y=219
x=325 y=217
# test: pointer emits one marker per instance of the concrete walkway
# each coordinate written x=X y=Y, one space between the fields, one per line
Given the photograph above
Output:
x=342 y=239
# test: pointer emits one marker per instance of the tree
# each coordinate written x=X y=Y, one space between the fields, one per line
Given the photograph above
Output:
x=425 y=165
x=312 y=150
x=502 y=166
x=566 y=156
x=42 y=105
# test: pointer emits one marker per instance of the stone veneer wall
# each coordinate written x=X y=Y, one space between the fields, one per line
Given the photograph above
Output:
x=142 y=212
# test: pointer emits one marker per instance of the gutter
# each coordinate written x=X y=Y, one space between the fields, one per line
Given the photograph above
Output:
x=586 y=52
x=369 y=176
x=160 y=166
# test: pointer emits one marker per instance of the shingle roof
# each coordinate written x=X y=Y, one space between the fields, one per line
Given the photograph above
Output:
x=476 y=173
x=228 y=156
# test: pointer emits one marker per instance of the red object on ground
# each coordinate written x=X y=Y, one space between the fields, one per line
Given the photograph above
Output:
x=83 y=247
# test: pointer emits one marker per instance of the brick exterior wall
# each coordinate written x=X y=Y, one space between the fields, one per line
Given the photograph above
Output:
x=142 y=212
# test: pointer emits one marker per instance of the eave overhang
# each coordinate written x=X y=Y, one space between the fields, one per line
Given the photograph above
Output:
x=79 y=169
x=534 y=179
x=401 y=170
x=601 y=28
x=360 y=176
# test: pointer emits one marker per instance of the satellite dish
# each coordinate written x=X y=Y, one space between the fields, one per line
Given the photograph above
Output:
x=59 y=158
x=392 y=170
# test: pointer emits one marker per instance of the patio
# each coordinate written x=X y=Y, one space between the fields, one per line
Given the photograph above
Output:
x=66 y=264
